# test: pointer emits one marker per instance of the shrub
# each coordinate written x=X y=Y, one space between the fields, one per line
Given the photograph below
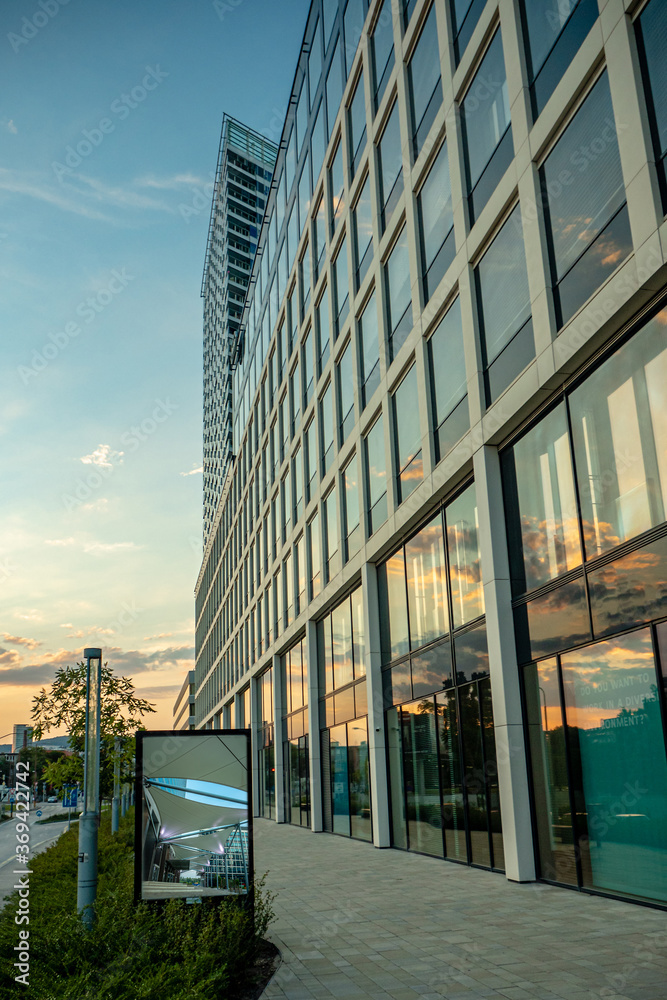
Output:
x=168 y=951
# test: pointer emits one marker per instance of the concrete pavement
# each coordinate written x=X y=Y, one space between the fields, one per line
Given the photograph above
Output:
x=41 y=837
x=357 y=922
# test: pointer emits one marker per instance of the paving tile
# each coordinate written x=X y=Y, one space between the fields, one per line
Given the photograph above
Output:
x=361 y=924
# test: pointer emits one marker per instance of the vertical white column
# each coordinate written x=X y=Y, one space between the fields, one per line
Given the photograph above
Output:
x=314 y=761
x=279 y=774
x=239 y=721
x=253 y=724
x=376 y=734
x=505 y=684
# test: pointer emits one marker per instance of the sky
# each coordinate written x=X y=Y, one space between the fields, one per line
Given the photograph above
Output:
x=110 y=115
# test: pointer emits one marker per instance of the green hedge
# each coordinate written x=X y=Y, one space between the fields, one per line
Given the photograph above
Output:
x=135 y=952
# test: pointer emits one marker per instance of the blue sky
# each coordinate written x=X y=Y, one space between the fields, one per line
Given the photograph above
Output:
x=110 y=117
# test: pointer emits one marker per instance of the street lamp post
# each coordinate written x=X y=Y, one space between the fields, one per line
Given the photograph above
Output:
x=115 y=802
x=89 y=820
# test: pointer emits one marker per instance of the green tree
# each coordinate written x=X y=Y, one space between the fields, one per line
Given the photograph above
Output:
x=64 y=706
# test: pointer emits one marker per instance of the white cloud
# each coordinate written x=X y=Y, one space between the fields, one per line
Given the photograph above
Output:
x=172 y=183
x=193 y=472
x=104 y=456
x=101 y=505
x=105 y=547
x=10 y=126
x=60 y=542
x=34 y=187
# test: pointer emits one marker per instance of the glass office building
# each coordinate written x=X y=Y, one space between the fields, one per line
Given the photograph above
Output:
x=435 y=585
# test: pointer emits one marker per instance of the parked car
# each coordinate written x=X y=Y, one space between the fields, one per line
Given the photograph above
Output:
x=52 y=798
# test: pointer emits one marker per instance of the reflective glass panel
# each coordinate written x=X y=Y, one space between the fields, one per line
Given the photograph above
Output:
x=451 y=778
x=503 y=286
x=353 y=20
x=486 y=110
x=360 y=784
x=436 y=220
x=426 y=578
x=557 y=620
x=370 y=349
x=382 y=46
x=630 y=590
x=422 y=784
x=334 y=87
x=390 y=165
x=551 y=790
x=393 y=607
x=410 y=466
x=448 y=380
x=432 y=670
x=619 y=423
x=425 y=85
x=340 y=798
x=540 y=494
x=616 y=731
x=396 y=778
x=399 y=296
x=357 y=120
x=464 y=558
x=472 y=655
x=376 y=472
x=351 y=513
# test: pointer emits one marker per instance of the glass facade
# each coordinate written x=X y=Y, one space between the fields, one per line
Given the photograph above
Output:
x=593 y=692
x=588 y=220
x=343 y=723
x=296 y=761
x=425 y=306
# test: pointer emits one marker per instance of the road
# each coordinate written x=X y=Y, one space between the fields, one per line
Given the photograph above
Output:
x=41 y=837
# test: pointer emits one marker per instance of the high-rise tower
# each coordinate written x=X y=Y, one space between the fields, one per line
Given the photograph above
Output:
x=242 y=183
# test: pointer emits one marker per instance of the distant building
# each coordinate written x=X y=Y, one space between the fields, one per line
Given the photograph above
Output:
x=242 y=185
x=184 y=706
x=22 y=737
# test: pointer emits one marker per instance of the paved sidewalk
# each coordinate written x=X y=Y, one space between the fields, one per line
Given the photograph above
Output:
x=355 y=922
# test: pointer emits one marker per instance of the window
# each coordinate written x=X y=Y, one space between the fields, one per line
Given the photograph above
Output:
x=350 y=500
x=407 y=435
x=651 y=33
x=327 y=428
x=487 y=131
x=334 y=87
x=436 y=223
x=504 y=308
x=332 y=554
x=320 y=238
x=357 y=125
x=283 y=348
x=295 y=398
x=275 y=450
x=292 y=318
x=342 y=286
x=315 y=551
x=288 y=576
x=308 y=368
x=538 y=483
x=554 y=32
x=353 y=23
x=345 y=379
x=297 y=483
x=301 y=119
x=376 y=475
x=311 y=460
x=448 y=381
x=315 y=62
x=370 y=350
x=408 y=9
x=363 y=233
x=619 y=430
x=284 y=426
x=278 y=605
x=304 y=280
x=588 y=224
x=465 y=15
x=399 y=297
x=337 y=184
x=323 y=331
x=300 y=557
x=390 y=163
x=382 y=48
x=330 y=15
x=425 y=83
x=286 y=507
x=318 y=143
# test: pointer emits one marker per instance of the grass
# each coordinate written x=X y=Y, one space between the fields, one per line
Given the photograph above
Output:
x=58 y=818
x=134 y=952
